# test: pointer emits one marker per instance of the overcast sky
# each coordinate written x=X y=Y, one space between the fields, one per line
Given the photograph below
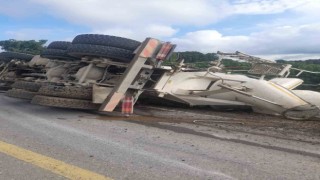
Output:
x=270 y=28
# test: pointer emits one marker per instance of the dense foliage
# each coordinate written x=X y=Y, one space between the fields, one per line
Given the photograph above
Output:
x=310 y=80
x=29 y=47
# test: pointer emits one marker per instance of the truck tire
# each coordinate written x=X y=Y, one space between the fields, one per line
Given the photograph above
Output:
x=106 y=40
x=63 y=45
x=73 y=92
x=4 y=88
x=20 y=93
x=64 y=102
x=29 y=86
x=14 y=55
x=5 y=85
x=58 y=54
x=117 y=54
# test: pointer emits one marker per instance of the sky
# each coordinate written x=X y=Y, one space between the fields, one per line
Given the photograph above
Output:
x=274 y=29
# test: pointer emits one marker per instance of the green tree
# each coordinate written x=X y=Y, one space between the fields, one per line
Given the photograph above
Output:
x=29 y=47
x=197 y=59
x=310 y=65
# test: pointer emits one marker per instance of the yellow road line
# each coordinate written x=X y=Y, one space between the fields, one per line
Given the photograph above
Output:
x=53 y=165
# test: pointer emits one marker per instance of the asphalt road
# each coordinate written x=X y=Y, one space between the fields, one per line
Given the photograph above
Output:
x=146 y=148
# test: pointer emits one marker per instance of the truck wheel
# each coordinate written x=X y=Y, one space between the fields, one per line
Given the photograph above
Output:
x=63 y=45
x=64 y=102
x=20 y=93
x=117 y=54
x=106 y=40
x=57 y=54
x=15 y=55
x=4 y=88
x=73 y=92
x=29 y=86
x=5 y=85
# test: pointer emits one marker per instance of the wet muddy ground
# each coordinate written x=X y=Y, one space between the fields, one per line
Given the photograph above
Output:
x=239 y=121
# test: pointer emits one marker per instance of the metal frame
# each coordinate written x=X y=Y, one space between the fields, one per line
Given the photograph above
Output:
x=138 y=72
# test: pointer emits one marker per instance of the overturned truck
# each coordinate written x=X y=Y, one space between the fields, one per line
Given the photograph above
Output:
x=113 y=68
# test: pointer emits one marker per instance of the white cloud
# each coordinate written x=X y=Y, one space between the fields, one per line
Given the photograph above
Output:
x=18 y=8
x=160 y=31
x=56 y=34
x=209 y=41
x=127 y=12
x=266 y=6
x=279 y=40
x=309 y=7
x=290 y=56
x=166 y=18
x=138 y=18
